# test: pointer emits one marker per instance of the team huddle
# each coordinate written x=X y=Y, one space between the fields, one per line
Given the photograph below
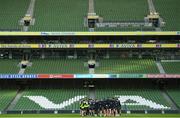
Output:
x=105 y=107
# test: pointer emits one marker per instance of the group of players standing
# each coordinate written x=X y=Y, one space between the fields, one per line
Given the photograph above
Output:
x=105 y=107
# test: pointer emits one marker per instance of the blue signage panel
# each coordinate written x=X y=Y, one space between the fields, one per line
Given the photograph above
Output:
x=18 y=76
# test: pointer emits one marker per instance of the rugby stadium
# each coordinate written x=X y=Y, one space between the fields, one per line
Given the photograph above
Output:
x=54 y=54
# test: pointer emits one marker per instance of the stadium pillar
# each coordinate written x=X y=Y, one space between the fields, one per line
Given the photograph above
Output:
x=172 y=57
x=145 y=112
x=55 y=112
x=91 y=71
x=130 y=54
x=107 y=55
x=10 y=54
x=92 y=92
x=91 y=65
x=128 y=112
x=75 y=54
x=162 y=111
x=42 y=54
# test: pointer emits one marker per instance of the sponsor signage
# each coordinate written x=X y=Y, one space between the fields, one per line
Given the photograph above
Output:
x=19 y=46
x=89 y=46
x=18 y=76
x=18 y=33
x=85 y=76
x=53 y=76
x=163 y=75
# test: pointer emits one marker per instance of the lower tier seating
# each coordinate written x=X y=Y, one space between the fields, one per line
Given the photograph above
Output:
x=39 y=99
x=136 y=99
x=174 y=93
x=6 y=96
x=171 y=67
x=68 y=99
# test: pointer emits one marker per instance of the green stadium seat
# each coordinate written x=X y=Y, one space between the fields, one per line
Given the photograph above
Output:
x=57 y=66
x=171 y=67
x=148 y=96
x=8 y=66
x=11 y=12
x=6 y=97
x=106 y=66
x=69 y=98
x=174 y=93
x=119 y=66
x=60 y=15
x=121 y=10
x=169 y=11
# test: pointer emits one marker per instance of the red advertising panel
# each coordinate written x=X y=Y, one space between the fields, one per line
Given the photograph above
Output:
x=58 y=76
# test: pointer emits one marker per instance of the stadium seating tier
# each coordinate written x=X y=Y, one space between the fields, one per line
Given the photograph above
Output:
x=57 y=96
x=171 y=67
x=76 y=66
x=174 y=93
x=69 y=15
x=149 y=94
x=169 y=11
x=60 y=15
x=6 y=96
x=8 y=66
x=11 y=12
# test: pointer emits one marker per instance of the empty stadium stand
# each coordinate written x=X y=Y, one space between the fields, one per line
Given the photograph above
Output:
x=6 y=96
x=11 y=12
x=127 y=66
x=69 y=15
x=112 y=66
x=66 y=94
x=121 y=10
x=8 y=66
x=37 y=99
x=108 y=66
x=60 y=56
x=68 y=99
x=169 y=10
x=174 y=93
x=131 y=98
x=171 y=67
x=57 y=66
x=60 y=15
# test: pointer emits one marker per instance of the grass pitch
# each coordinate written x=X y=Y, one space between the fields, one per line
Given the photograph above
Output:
x=77 y=116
